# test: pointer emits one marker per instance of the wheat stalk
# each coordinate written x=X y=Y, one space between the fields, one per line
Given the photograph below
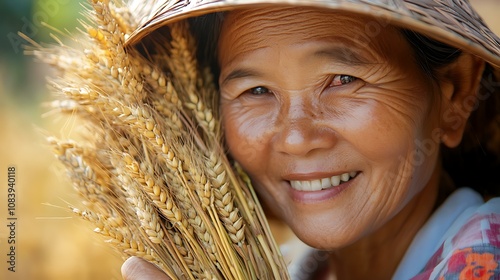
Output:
x=151 y=167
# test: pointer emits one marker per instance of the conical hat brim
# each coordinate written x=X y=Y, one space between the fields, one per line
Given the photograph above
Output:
x=445 y=21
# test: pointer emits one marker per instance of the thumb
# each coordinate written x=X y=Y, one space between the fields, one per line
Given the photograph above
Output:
x=135 y=268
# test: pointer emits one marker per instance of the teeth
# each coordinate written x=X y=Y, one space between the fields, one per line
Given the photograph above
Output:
x=345 y=177
x=325 y=183
x=306 y=185
x=335 y=180
x=296 y=185
x=316 y=185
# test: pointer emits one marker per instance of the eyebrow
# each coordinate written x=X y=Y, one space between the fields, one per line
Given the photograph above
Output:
x=338 y=54
x=240 y=73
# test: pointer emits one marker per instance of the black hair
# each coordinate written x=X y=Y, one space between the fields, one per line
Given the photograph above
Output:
x=476 y=161
x=206 y=30
x=430 y=54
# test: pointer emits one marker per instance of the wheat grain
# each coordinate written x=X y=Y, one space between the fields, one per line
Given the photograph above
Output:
x=224 y=200
x=182 y=57
x=129 y=244
x=197 y=87
x=90 y=181
x=160 y=196
x=171 y=211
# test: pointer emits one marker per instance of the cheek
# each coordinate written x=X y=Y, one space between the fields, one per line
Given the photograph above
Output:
x=377 y=131
x=248 y=137
x=391 y=120
x=392 y=133
x=246 y=133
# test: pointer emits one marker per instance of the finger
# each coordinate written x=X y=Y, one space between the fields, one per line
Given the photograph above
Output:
x=135 y=268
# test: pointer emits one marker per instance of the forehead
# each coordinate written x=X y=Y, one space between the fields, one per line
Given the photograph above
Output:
x=295 y=19
x=246 y=30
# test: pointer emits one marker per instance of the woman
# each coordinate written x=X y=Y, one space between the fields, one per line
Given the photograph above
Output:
x=356 y=127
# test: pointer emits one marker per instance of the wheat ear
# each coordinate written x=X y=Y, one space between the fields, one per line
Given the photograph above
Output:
x=151 y=167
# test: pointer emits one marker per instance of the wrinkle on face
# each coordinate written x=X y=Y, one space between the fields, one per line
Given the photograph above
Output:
x=305 y=125
x=242 y=29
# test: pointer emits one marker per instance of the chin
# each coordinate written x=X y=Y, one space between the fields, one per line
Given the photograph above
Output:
x=324 y=241
x=321 y=234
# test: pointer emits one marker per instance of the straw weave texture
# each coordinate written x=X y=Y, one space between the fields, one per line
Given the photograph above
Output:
x=452 y=21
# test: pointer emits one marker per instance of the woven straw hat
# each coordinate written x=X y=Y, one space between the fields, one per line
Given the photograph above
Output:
x=452 y=21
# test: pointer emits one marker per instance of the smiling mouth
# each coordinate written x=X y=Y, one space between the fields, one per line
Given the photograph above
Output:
x=323 y=184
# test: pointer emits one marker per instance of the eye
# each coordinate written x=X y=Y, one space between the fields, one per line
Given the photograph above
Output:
x=339 y=80
x=258 y=90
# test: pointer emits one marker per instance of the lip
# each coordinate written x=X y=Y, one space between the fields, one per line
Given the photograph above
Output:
x=312 y=197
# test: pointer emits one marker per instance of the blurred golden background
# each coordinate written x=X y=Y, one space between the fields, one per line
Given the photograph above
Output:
x=50 y=242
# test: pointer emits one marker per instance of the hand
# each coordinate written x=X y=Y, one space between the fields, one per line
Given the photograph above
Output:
x=135 y=268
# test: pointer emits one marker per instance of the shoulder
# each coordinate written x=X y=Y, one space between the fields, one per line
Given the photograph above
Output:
x=482 y=227
x=471 y=246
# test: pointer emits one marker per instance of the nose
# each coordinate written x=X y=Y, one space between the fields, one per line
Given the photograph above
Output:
x=303 y=130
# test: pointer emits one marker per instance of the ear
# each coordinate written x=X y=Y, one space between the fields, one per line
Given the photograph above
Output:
x=459 y=83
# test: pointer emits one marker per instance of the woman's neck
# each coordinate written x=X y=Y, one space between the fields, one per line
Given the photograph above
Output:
x=378 y=255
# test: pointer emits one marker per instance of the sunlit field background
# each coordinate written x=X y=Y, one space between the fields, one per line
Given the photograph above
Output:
x=50 y=242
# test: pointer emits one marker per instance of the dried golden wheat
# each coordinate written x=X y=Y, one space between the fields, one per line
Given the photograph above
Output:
x=151 y=168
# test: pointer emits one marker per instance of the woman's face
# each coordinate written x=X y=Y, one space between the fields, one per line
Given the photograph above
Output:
x=329 y=115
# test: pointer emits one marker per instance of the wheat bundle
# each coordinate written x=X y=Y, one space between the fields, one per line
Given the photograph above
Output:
x=151 y=169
